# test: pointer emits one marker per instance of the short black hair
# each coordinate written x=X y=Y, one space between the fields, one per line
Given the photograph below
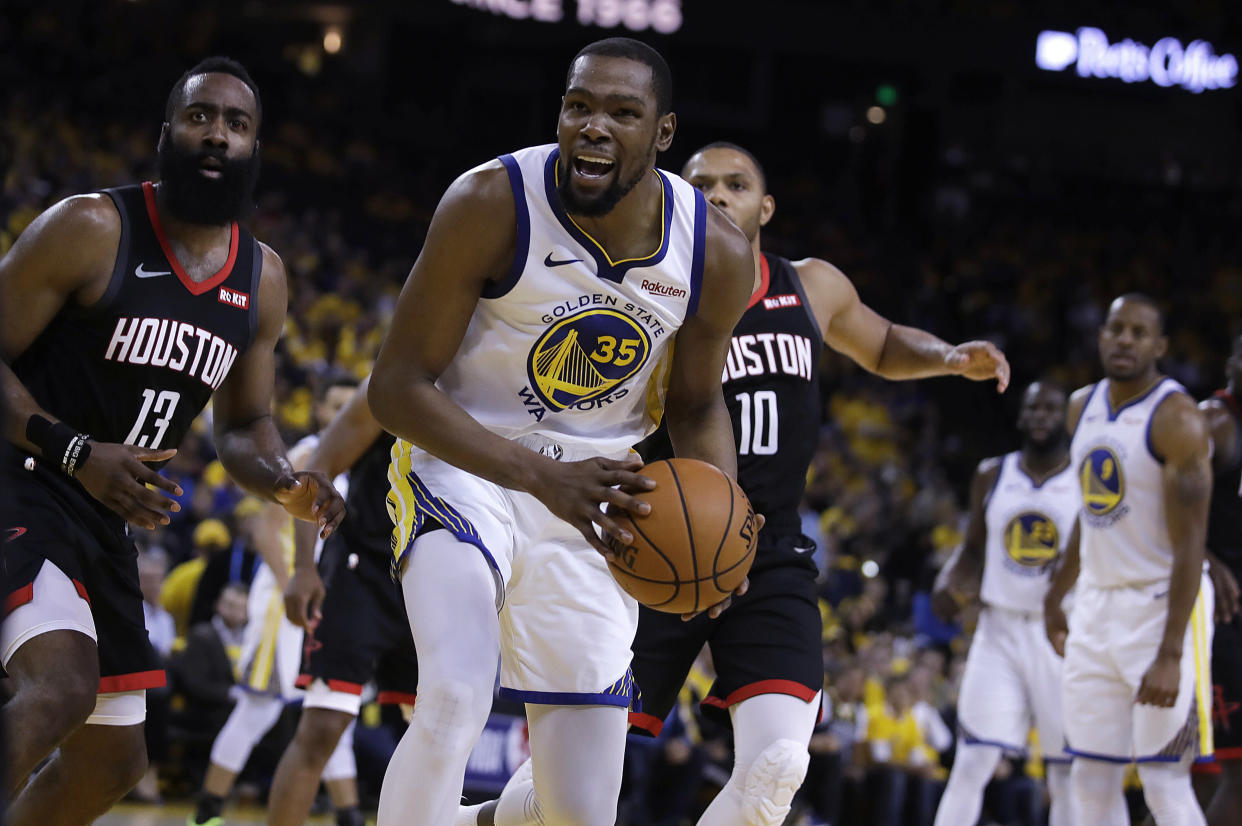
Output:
x=636 y=50
x=336 y=377
x=763 y=175
x=1145 y=299
x=1049 y=384
x=222 y=65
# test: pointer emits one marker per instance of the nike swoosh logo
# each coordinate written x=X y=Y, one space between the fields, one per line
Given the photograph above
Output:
x=549 y=262
x=14 y=533
x=141 y=273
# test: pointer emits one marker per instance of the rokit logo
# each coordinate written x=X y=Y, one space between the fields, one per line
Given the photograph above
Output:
x=233 y=298
x=1195 y=67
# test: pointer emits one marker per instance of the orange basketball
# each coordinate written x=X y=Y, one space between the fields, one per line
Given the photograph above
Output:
x=694 y=547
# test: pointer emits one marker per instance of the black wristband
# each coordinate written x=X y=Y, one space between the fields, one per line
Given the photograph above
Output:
x=59 y=443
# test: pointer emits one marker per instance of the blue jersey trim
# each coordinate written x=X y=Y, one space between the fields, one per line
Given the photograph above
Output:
x=980 y=741
x=427 y=504
x=603 y=267
x=1112 y=758
x=1151 y=448
x=523 y=231
x=564 y=698
x=1108 y=403
x=700 y=252
x=1083 y=412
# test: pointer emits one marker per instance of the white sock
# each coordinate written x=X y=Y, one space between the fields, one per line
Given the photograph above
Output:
x=450 y=600
x=963 y=795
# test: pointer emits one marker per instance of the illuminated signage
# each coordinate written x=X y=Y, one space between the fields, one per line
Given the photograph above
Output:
x=662 y=16
x=1194 y=66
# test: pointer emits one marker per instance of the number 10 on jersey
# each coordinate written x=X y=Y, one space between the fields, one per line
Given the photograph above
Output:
x=758 y=420
x=161 y=406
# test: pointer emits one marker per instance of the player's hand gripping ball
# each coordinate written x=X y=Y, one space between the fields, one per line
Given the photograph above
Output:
x=694 y=547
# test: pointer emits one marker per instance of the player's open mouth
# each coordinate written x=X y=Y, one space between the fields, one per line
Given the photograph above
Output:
x=211 y=167
x=593 y=166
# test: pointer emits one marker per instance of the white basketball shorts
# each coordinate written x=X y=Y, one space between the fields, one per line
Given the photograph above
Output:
x=565 y=624
x=1113 y=638
x=1012 y=680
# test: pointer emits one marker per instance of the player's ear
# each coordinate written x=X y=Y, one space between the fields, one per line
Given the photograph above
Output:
x=767 y=208
x=664 y=131
x=163 y=135
x=1162 y=346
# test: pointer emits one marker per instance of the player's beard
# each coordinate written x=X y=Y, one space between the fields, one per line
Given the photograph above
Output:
x=1048 y=445
x=193 y=197
x=607 y=200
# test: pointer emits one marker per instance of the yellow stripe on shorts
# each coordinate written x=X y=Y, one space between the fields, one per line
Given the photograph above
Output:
x=1199 y=620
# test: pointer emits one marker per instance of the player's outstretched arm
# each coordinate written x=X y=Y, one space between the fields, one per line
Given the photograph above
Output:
x=247 y=441
x=959 y=579
x=341 y=444
x=471 y=241
x=66 y=255
x=1180 y=438
x=893 y=351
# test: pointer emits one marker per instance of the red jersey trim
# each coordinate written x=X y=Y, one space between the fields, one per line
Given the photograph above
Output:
x=82 y=591
x=392 y=698
x=18 y=598
x=342 y=686
x=132 y=682
x=195 y=287
x=1231 y=753
x=647 y=722
x=765 y=277
x=763 y=687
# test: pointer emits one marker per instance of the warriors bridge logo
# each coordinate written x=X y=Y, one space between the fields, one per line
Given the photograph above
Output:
x=585 y=356
x=1102 y=485
x=1031 y=539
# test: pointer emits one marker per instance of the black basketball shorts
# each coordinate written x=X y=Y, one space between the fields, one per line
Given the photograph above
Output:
x=49 y=519
x=1227 y=689
x=364 y=633
x=767 y=642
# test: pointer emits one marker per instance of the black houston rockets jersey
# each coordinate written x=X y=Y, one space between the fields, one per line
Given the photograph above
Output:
x=142 y=362
x=1224 y=534
x=771 y=386
x=368 y=524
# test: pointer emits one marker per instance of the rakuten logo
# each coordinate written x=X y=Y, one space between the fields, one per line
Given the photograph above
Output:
x=1195 y=66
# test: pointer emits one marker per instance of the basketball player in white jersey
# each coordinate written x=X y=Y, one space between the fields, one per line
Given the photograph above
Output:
x=1023 y=507
x=272 y=651
x=1135 y=677
x=531 y=347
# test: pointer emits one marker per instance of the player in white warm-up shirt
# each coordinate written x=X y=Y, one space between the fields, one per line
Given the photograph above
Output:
x=1138 y=648
x=1023 y=507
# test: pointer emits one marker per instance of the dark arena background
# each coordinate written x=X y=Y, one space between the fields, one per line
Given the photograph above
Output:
x=978 y=168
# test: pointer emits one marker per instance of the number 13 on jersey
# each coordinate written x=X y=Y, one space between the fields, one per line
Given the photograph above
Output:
x=159 y=405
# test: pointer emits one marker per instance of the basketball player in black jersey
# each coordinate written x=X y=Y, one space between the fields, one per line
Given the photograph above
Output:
x=1224 y=542
x=766 y=648
x=353 y=614
x=123 y=312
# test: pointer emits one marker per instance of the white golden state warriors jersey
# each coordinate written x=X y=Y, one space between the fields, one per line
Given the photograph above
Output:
x=1125 y=533
x=1028 y=526
x=573 y=346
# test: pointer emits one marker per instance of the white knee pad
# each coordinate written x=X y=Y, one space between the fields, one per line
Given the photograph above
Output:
x=447 y=717
x=771 y=781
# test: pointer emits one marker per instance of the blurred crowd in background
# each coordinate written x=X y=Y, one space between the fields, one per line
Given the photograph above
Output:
x=1000 y=247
